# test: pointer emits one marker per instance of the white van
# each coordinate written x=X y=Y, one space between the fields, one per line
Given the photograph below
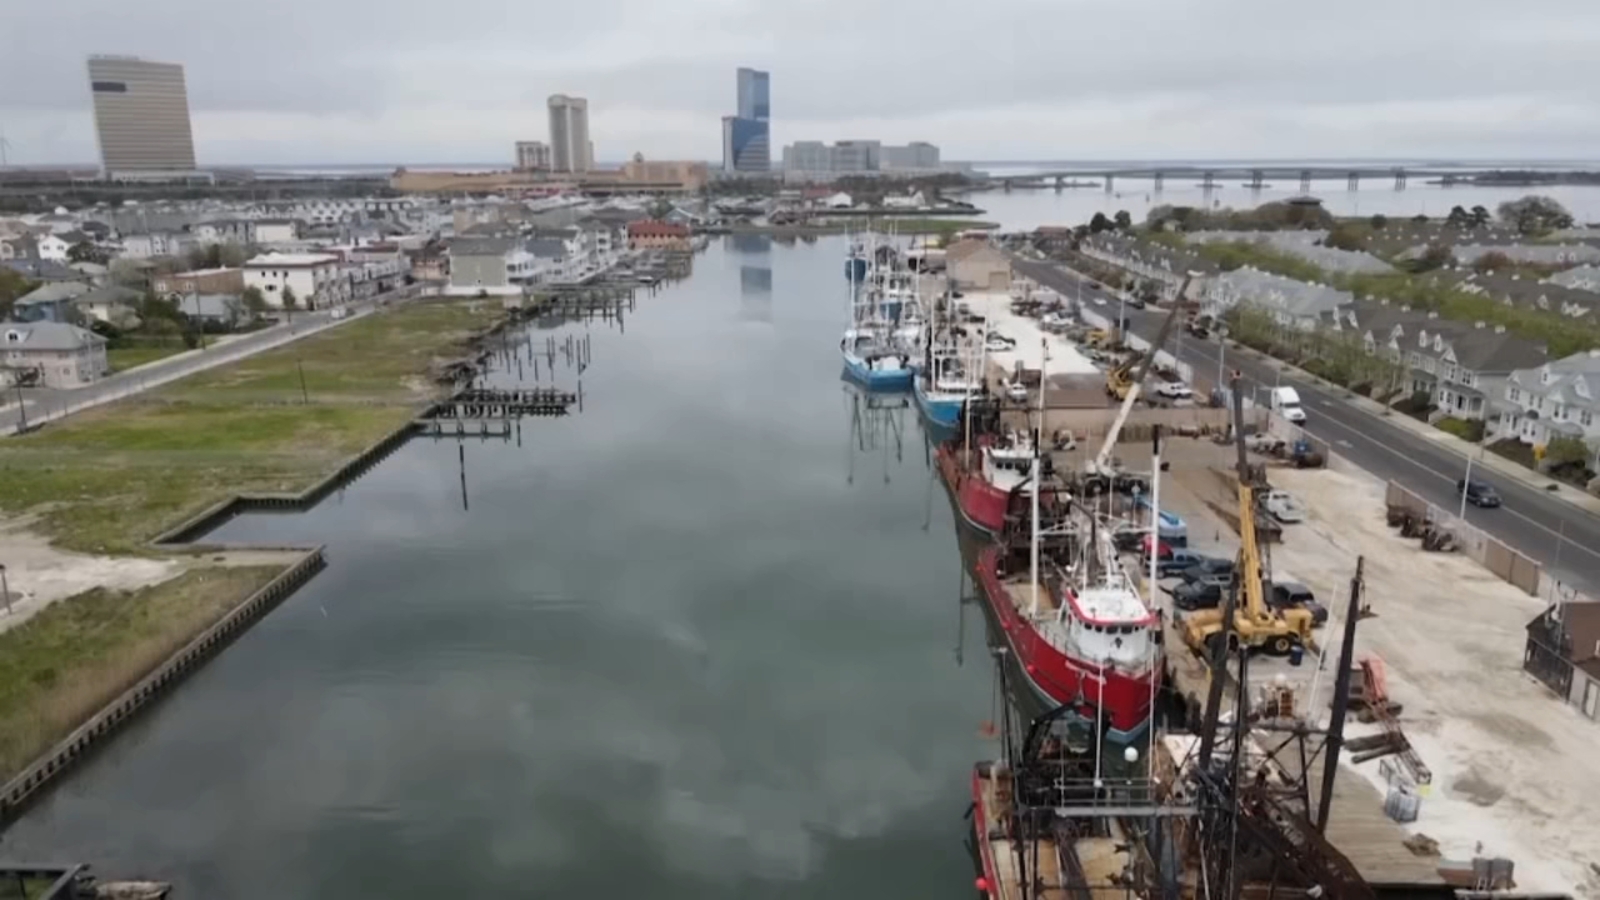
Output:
x=1286 y=403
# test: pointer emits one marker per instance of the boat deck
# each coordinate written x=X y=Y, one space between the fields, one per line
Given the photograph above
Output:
x=996 y=799
x=1021 y=593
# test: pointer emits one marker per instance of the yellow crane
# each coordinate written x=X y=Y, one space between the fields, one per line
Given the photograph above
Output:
x=1126 y=375
x=1256 y=623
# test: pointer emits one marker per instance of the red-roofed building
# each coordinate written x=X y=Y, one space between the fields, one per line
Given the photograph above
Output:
x=653 y=234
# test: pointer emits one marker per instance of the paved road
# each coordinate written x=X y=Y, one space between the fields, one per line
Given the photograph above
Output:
x=44 y=404
x=1562 y=537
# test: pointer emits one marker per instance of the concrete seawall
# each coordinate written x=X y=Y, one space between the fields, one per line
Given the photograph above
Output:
x=19 y=791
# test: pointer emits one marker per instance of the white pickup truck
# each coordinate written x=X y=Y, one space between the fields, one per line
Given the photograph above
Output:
x=1283 y=506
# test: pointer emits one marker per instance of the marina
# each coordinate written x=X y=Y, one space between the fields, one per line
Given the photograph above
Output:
x=1111 y=731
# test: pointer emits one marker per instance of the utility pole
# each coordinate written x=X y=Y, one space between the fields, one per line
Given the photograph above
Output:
x=22 y=405
x=5 y=589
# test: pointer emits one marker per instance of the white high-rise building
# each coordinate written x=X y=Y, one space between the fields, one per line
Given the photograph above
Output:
x=141 y=117
x=533 y=156
x=570 y=149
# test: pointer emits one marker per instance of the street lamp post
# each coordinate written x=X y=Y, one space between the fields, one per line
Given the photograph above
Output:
x=1461 y=514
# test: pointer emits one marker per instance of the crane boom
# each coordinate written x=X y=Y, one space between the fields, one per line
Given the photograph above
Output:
x=1250 y=573
x=1143 y=368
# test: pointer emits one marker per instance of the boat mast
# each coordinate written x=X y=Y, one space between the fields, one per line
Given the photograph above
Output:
x=1033 y=607
x=1155 y=508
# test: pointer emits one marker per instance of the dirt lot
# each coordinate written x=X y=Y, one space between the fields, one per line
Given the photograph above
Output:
x=1513 y=767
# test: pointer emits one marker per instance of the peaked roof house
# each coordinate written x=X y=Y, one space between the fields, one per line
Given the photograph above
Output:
x=1563 y=651
x=51 y=354
x=1560 y=398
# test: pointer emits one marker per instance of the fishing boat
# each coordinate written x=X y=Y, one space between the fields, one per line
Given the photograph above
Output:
x=987 y=474
x=1072 y=618
x=947 y=377
x=873 y=357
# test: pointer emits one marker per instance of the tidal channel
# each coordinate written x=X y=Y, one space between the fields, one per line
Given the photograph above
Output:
x=697 y=641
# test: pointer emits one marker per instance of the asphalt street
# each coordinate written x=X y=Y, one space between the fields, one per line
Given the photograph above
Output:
x=1562 y=537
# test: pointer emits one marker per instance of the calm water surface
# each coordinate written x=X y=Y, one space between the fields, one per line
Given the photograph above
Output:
x=695 y=642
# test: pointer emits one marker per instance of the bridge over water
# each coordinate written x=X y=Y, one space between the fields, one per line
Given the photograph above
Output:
x=1254 y=177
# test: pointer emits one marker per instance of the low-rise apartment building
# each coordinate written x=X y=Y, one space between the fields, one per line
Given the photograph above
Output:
x=312 y=277
x=651 y=234
x=226 y=280
x=491 y=265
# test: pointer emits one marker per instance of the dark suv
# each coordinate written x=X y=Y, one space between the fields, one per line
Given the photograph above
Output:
x=1477 y=493
x=1289 y=595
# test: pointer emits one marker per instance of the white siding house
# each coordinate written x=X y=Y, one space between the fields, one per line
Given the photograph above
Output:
x=314 y=278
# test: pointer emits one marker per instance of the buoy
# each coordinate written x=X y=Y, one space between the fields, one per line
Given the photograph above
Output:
x=982 y=884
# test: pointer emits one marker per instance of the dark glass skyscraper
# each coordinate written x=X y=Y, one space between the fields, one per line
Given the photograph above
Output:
x=747 y=136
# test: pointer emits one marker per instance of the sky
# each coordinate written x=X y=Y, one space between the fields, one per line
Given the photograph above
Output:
x=406 y=81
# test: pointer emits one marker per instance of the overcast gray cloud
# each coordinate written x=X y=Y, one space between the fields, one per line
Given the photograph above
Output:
x=411 y=81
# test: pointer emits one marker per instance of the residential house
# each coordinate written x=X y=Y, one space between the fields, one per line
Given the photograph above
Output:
x=431 y=263
x=652 y=234
x=1166 y=266
x=276 y=231
x=53 y=247
x=1536 y=254
x=42 y=270
x=976 y=264
x=225 y=280
x=225 y=231
x=95 y=272
x=52 y=354
x=1462 y=367
x=111 y=303
x=1580 y=278
x=1307 y=245
x=1560 y=398
x=1293 y=304
x=313 y=277
x=18 y=246
x=494 y=265
x=553 y=261
x=215 y=312
x=1563 y=652
x=1545 y=294
x=157 y=243
x=51 y=302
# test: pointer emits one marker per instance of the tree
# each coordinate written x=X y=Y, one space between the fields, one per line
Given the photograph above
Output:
x=1347 y=236
x=1565 y=451
x=1480 y=217
x=1378 y=221
x=290 y=301
x=1535 y=214
x=254 y=301
x=1099 y=223
x=85 y=251
x=1432 y=258
x=1458 y=217
x=660 y=208
x=12 y=286
x=1123 y=219
x=1493 y=261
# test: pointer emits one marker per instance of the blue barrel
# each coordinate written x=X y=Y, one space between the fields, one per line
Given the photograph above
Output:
x=1297 y=654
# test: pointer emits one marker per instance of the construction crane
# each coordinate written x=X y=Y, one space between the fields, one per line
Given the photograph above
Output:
x=1121 y=382
x=1257 y=624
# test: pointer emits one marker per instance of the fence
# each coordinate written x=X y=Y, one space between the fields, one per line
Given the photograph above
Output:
x=1509 y=565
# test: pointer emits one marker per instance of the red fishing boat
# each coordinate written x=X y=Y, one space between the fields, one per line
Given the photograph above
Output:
x=1077 y=628
x=987 y=477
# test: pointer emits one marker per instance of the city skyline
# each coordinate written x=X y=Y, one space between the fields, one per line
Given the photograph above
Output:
x=1240 y=82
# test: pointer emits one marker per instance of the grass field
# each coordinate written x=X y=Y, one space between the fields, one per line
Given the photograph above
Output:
x=121 y=359
x=75 y=655
x=109 y=479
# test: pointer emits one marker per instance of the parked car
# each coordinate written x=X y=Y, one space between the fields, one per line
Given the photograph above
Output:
x=1290 y=594
x=1203 y=593
x=1134 y=302
x=1284 y=507
x=996 y=342
x=1176 y=560
x=1478 y=493
x=1174 y=390
x=1208 y=567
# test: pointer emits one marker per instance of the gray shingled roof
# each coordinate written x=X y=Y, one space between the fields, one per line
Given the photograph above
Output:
x=54 y=292
x=46 y=336
x=547 y=249
x=482 y=246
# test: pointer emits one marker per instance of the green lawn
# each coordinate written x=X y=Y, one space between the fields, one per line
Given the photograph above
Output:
x=111 y=478
x=73 y=657
x=124 y=358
